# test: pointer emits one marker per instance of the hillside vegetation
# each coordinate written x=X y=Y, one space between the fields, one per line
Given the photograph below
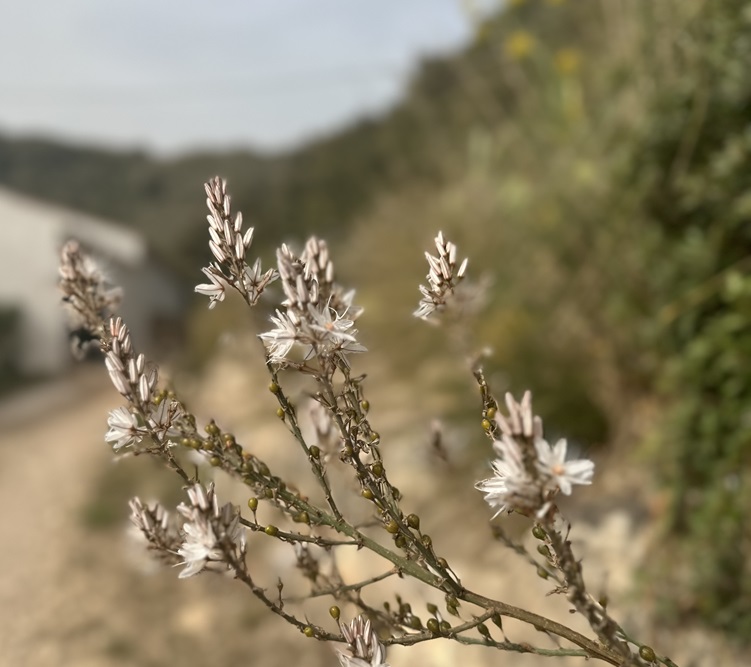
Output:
x=593 y=157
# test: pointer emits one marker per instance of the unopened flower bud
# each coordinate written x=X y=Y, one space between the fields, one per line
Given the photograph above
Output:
x=647 y=653
x=543 y=550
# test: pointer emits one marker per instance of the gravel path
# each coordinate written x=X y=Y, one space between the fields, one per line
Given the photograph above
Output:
x=48 y=458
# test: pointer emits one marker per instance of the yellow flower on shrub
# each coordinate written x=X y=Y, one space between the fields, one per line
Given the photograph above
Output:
x=567 y=61
x=519 y=45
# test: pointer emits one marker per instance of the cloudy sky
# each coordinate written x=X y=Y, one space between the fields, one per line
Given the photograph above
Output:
x=175 y=75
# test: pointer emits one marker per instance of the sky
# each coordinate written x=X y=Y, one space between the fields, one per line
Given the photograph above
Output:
x=172 y=76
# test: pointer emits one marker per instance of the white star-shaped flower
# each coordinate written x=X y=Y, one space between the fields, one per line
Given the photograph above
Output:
x=280 y=340
x=208 y=532
x=510 y=481
x=124 y=429
x=562 y=474
x=213 y=289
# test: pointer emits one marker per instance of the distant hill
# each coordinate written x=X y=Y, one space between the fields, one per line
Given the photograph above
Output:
x=319 y=188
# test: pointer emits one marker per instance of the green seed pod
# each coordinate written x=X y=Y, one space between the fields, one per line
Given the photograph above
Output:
x=280 y=413
x=483 y=630
x=445 y=565
x=349 y=451
x=392 y=527
x=367 y=494
x=377 y=469
x=315 y=452
x=274 y=388
x=400 y=541
x=268 y=493
x=496 y=618
x=335 y=612
x=444 y=627
x=211 y=428
x=253 y=504
x=375 y=437
x=263 y=469
x=433 y=626
x=485 y=425
x=647 y=653
x=432 y=609
x=364 y=406
x=396 y=492
x=413 y=521
x=491 y=412
x=542 y=573
x=543 y=550
x=539 y=532
x=185 y=442
x=308 y=631
x=215 y=461
x=271 y=531
x=427 y=541
x=415 y=623
x=302 y=517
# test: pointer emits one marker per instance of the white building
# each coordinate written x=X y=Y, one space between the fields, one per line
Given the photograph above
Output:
x=31 y=236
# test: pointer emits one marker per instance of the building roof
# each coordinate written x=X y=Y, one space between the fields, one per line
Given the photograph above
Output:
x=22 y=217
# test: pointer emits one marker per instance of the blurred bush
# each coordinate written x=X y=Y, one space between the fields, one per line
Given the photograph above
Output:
x=596 y=162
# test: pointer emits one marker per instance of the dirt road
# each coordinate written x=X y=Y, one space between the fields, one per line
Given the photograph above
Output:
x=74 y=597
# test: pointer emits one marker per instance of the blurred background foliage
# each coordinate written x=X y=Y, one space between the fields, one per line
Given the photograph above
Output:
x=593 y=158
